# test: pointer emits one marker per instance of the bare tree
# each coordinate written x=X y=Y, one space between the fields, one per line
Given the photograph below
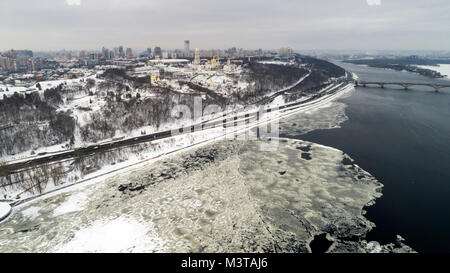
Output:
x=39 y=178
x=28 y=184
x=57 y=173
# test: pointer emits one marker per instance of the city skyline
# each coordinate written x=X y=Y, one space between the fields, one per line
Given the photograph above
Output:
x=50 y=25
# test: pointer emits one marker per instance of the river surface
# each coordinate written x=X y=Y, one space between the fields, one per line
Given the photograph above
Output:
x=403 y=139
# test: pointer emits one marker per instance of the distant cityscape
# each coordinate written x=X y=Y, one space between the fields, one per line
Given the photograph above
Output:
x=22 y=67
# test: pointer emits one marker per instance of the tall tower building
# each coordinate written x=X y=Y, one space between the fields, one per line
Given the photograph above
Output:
x=187 y=50
x=285 y=52
x=197 y=57
x=129 y=53
x=121 y=52
x=105 y=53
x=157 y=52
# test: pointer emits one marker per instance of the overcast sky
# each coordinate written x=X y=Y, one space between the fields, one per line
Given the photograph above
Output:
x=300 y=24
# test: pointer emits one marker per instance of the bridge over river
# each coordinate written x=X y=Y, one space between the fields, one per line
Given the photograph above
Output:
x=405 y=85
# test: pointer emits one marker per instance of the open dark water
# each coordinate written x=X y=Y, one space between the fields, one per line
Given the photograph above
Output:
x=403 y=139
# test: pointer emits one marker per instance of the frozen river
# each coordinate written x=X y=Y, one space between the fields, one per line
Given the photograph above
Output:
x=230 y=196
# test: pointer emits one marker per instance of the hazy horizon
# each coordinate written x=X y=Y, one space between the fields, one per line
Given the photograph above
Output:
x=52 y=25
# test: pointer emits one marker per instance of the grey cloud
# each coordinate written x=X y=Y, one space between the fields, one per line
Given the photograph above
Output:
x=307 y=24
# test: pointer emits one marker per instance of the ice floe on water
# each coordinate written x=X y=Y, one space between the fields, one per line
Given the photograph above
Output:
x=74 y=202
x=224 y=197
x=328 y=117
x=304 y=190
x=118 y=235
x=31 y=212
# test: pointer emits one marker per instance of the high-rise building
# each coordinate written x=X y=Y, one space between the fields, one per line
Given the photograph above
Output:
x=197 y=56
x=121 y=53
x=38 y=63
x=105 y=53
x=129 y=53
x=8 y=64
x=165 y=55
x=12 y=54
x=157 y=52
x=285 y=52
x=187 y=50
x=21 y=61
x=30 y=65
x=4 y=62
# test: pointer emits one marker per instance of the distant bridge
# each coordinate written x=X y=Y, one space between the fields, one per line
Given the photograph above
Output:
x=405 y=85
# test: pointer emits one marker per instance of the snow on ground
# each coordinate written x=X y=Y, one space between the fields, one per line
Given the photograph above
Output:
x=277 y=62
x=218 y=82
x=12 y=89
x=118 y=235
x=168 y=61
x=242 y=85
x=51 y=84
x=278 y=101
x=5 y=210
x=444 y=69
x=44 y=86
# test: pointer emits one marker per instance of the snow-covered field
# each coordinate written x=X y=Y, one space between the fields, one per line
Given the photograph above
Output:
x=5 y=210
x=277 y=62
x=44 y=85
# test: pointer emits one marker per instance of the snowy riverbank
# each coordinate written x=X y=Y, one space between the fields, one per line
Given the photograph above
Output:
x=444 y=69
